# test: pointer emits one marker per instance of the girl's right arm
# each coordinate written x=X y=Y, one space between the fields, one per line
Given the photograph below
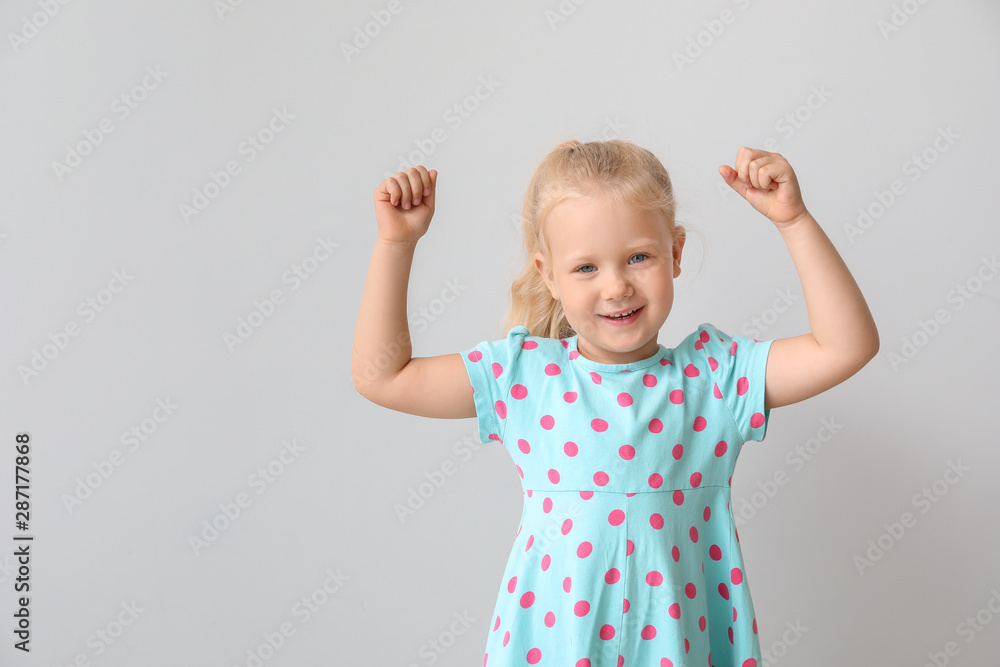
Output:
x=382 y=368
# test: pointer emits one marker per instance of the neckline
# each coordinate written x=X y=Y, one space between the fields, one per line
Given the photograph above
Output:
x=577 y=358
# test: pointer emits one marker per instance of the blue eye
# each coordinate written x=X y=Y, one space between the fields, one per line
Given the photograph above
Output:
x=580 y=270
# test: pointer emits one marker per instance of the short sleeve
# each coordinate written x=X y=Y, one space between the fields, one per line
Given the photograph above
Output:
x=491 y=365
x=738 y=366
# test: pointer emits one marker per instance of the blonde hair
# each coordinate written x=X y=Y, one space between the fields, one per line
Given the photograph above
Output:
x=621 y=170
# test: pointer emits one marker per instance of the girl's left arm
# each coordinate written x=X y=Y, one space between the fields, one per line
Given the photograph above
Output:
x=843 y=336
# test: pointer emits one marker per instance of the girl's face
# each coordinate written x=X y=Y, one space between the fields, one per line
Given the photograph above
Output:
x=606 y=259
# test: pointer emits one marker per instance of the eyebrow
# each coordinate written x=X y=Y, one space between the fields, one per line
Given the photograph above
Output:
x=642 y=243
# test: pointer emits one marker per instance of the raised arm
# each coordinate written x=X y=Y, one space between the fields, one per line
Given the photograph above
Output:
x=382 y=367
x=843 y=336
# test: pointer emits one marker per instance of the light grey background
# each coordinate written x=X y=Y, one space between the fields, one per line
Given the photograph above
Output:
x=326 y=526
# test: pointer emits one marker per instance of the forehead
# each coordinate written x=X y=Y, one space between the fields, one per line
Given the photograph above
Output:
x=599 y=225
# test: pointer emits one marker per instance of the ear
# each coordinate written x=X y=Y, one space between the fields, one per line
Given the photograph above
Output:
x=679 y=237
x=546 y=272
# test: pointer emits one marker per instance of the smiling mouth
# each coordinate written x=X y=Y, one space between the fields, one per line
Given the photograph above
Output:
x=625 y=315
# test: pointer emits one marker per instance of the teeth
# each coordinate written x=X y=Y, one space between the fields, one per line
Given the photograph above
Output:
x=623 y=315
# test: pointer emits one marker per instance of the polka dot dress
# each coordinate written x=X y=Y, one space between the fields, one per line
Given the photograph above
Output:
x=627 y=553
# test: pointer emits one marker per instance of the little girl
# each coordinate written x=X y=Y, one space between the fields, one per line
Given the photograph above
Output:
x=627 y=553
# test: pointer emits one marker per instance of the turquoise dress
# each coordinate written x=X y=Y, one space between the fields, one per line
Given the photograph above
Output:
x=627 y=553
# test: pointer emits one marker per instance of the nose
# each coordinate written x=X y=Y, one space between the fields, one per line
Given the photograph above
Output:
x=617 y=286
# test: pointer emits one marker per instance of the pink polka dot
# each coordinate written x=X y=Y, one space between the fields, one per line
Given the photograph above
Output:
x=527 y=599
x=714 y=552
x=550 y=619
x=757 y=420
x=691 y=371
x=570 y=397
x=534 y=655
x=546 y=561
x=607 y=631
x=712 y=363
x=677 y=396
x=654 y=578
x=742 y=385
x=518 y=391
x=716 y=391
x=475 y=355
x=586 y=495
x=648 y=632
x=690 y=590
x=676 y=553
x=656 y=520
x=674 y=610
x=612 y=576
x=649 y=380
x=595 y=377
x=693 y=533
x=678 y=497
x=567 y=526
x=501 y=409
x=512 y=584
x=629 y=547
x=655 y=426
x=523 y=445
x=584 y=549
x=737 y=575
x=600 y=478
x=583 y=662
x=695 y=479
x=616 y=517
x=567 y=584
x=656 y=480
x=547 y=505
x=627 y=452
x=666 y=662
x=529 y=345
x=678 y=451
x=707 y=514
x=553 y=475
x=552 y=369
x=599 y=425
x=624 y=399
x=496 y=624
x=752 y=662
x=724 y=591
x=721 y=448
x=703 y=623
x=506 y=638
x=699 y=423
x=570 y=448
x=581 y=608
x=625 y=605
x=531 y=540
x=547 y=422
